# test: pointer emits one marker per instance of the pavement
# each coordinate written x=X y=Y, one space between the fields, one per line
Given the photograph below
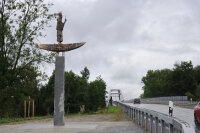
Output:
x=75 y=124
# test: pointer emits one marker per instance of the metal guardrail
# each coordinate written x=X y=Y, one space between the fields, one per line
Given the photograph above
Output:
x=169 y=98
x=155 y=122
x=187 y=104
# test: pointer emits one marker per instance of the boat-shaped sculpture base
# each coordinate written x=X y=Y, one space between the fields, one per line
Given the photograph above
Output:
x=61 y=47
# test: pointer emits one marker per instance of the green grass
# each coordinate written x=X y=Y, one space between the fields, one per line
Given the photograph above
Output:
x=109 y=110
x=116 y=111
x=9 y=120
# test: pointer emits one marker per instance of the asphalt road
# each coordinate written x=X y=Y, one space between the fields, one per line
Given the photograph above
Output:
x=184 y=114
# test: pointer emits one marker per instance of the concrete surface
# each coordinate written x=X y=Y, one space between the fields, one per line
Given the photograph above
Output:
x=75 y=124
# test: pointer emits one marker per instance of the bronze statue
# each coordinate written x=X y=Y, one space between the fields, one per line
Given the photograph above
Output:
x=60 y=47
x=59 y=27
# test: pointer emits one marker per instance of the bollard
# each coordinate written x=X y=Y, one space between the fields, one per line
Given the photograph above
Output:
x=171 y=106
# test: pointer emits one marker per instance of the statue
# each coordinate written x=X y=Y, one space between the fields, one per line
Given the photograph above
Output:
x=59 y=27
x=59 y=86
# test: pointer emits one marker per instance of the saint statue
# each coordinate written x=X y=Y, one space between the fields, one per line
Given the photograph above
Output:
x=59 y=27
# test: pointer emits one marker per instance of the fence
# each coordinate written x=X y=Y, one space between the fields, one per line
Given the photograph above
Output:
x=169 y=98
x=177 y=100
x=155 y=122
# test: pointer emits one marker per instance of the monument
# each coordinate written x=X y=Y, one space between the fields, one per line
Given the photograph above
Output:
x=59 y=89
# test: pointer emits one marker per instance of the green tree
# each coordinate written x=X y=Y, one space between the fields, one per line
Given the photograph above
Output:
x=46 y=97
x=78 y=92
x=21 y=23
x=157 y=83
x=96 y=94
x=85 y=73
x=197 y=78
x=183 y=79
x=197 y=73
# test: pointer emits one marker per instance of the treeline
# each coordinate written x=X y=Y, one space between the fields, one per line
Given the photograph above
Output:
x=183 y=79
x=78 y=92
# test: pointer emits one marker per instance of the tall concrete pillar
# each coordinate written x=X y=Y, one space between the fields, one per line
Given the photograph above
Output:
x=59 y=92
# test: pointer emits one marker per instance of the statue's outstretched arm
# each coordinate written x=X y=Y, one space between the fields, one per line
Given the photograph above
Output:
x=65 y=20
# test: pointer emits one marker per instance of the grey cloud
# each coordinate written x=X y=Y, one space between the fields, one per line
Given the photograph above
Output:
x=124 y=37
x=125 y=74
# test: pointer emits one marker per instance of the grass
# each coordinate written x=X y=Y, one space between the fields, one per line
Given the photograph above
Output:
x=116 y=111
x=9 y=120
x=109 y=110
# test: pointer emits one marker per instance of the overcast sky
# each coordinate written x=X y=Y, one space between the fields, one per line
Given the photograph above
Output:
x=126 y=38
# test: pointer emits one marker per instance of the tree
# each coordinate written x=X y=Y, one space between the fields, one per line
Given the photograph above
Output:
x=157 y=83
x=197 y=74
x=96 y=94
x=78 y=92
x=21 y=23
x=85 y=73
x=197 y=78
x=183 y=79
x=178 y=81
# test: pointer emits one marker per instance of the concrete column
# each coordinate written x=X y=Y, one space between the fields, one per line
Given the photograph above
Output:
x=59 y=92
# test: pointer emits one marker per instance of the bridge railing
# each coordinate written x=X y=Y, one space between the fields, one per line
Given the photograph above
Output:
x=155 y=122
x=169 y=98
x=177 y=100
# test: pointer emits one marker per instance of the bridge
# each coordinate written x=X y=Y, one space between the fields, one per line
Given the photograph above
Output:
x=116 y=95
x=153 y=115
